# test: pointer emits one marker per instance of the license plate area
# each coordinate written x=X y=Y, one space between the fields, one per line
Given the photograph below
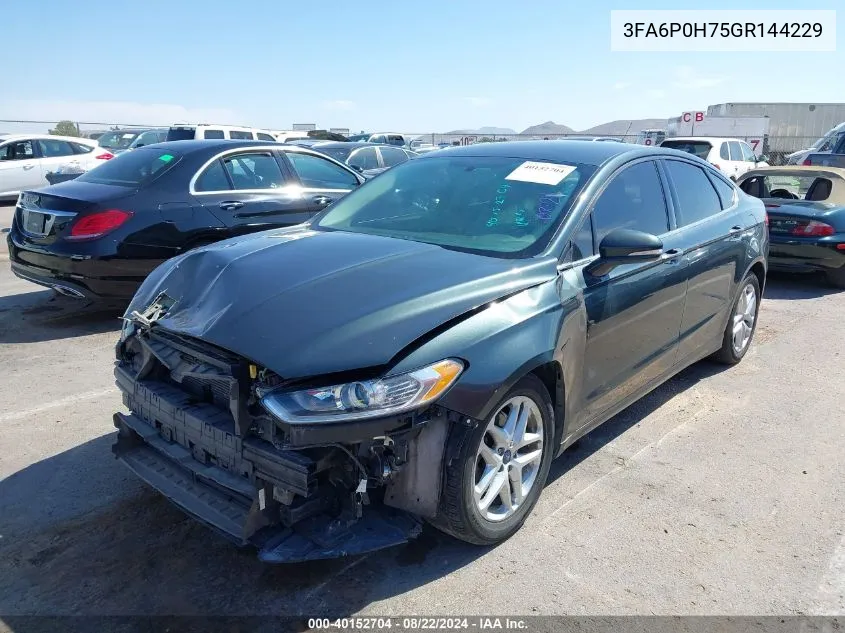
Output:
x=34 y=222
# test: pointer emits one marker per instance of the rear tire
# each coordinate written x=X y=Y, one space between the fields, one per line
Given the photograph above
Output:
x=489 y=491
x=836 y=277
x=742 y=323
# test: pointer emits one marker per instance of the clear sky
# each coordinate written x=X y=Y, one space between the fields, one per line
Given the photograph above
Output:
x=408 y=66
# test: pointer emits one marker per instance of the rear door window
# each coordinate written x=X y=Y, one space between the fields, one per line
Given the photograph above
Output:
x=133 y=169
x=254 y=170
x=53 y=149
x=364 y=158
x=214 y=178
x=395 y=139
x=736 y=152
x=392 y=156
x=697 y=198
x=318 y=173
x=213 y=134
x=238 y=134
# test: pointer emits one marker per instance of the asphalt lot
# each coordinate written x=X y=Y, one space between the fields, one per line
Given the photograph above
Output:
x=720 y=493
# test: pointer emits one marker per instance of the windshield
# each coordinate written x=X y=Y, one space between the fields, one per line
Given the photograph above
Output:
x=132 y=169
x=117 y=140
x=498 y=206
x=699 y=148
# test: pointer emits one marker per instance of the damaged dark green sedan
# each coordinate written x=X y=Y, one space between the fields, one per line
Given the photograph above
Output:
x=424 y=348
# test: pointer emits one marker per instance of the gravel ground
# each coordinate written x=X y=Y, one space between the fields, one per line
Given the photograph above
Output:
x=719 y=493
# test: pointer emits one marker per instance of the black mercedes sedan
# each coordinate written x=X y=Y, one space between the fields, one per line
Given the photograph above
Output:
x=99 y=235
x=459 y=321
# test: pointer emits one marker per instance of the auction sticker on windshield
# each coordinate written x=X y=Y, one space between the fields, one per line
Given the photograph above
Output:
x=540 y=173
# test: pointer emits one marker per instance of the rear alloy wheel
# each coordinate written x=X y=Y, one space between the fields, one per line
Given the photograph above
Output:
x=503 y=465
x=742 y=324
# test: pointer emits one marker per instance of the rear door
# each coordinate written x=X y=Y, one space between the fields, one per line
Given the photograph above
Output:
x=250 y=191
x=20 y=167
x=58 y=155
x=323 y=181
x=736 y=164
x=715 y=236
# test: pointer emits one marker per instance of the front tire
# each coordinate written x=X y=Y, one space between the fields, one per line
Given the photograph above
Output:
x=742 y=324
x=501 y=468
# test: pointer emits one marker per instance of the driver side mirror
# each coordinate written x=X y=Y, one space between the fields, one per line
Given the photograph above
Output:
x=358 y=168
x=625 y=246
x=762 y=159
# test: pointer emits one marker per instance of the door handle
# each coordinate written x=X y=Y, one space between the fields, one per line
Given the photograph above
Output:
x=230 y=205
x=322 y=200
x=28 y=166
x=735 y=229
x=672 y=255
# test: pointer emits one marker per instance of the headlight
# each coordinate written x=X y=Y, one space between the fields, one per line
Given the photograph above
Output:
x=367 y=398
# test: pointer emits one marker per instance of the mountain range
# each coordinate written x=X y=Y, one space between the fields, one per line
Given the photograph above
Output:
x=613 y=128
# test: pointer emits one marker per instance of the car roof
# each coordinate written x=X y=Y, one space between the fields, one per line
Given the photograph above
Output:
x=709 y=139
x=569 y=151
x=11 y=137
x=348 y=144
x=194 y=145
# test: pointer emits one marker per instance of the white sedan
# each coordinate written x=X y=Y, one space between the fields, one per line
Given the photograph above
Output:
x=27 y=159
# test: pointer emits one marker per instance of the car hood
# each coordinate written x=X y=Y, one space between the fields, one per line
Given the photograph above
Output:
x=303 y=302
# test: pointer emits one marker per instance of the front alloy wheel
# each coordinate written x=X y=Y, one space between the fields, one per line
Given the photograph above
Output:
x=508 y=459
x=492 y=486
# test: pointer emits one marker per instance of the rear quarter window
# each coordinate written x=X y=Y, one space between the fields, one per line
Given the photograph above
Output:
x=697 y=148
x=133 y=169
x=181 y=133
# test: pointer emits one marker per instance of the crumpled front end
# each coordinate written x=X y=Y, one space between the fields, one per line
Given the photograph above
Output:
x=197 y=432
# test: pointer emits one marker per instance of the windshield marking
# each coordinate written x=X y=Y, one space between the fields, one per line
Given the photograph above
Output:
x=540 y=173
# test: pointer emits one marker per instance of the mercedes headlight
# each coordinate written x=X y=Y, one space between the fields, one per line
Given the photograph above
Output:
x=366 y=398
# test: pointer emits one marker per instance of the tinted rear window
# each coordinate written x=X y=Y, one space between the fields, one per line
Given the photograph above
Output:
x=117 y=139
x=181 y=133
x=698 y=148
x=132 y=169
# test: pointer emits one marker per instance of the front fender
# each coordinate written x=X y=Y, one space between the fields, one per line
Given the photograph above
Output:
x=500 y=344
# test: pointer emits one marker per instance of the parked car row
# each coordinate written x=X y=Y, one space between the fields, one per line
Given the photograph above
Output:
x=732 y=156
x=32 y=160
x=416 y=347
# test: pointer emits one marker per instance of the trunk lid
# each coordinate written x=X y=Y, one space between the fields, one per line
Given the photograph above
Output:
x=44 y=214
x=787 y=215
